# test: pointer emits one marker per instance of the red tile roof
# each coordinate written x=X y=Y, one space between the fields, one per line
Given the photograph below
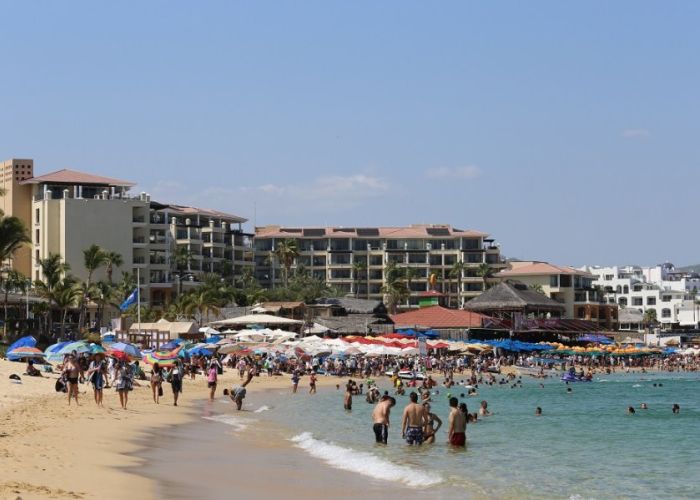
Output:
x=437 y=231
x=67 y=176
x=438 y=317
x=541 y=268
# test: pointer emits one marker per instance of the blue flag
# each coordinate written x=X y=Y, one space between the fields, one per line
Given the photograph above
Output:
x=131 y=299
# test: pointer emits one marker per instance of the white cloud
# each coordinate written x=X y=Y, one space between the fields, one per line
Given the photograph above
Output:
x=635 y=133
x=463 y=172
x=309 y=200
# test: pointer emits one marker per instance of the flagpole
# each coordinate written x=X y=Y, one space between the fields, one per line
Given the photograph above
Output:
x=138 y=295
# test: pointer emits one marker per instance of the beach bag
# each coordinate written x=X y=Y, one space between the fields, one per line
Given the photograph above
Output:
x=160 y=391
x=60 y=385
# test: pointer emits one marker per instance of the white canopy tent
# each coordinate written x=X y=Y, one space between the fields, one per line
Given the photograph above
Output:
x=257 y=319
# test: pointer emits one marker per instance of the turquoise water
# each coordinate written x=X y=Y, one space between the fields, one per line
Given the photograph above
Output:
x=584 y=446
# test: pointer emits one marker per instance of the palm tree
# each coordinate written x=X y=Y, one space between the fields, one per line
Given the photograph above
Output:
x=537 y=288
x=13 y=236
x=485 y=271
x=650 y=317
x=53 y=269
x=183 y=262
x=358 y=269
x=286 y=251
x=13 y=281
x=202 y=301
x=456 y=272
x=103 y=293
x=94 y=257
x=111 y=260
x=65 y=294
x=395 y=290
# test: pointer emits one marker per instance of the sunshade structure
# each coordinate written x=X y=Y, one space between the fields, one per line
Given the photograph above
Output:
x=257 y=319
x=20 y=353
x=513 y=297
x=129 y=350
x=162 y=358
x=595 y=339
x=52 y=352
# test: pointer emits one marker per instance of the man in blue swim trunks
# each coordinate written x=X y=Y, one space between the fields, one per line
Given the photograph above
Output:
x=415 y=417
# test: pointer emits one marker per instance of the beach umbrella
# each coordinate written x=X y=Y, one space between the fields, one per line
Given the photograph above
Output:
x=51 y=352
x=67 y=348
x=129 y=349
x=199 y=351
x=163 y=358
x=231 y=348
x=97 y=349
x=24 y=353
x=119 y=355
x=169 y=346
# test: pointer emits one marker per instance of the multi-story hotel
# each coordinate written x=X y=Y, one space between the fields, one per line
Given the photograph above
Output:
x=334 y=255
x=571 y=287
x=67 y=211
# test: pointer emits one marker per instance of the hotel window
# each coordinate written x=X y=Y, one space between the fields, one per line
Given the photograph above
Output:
x=666 y=298
x=554 y=281
x=665 y=313
x=36 y=237
x=637 y=301
x=651 y=301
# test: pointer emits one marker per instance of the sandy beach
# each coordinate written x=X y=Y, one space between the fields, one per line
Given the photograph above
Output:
x=51 y=450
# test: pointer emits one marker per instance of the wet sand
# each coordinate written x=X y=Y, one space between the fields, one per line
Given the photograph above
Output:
x=213 y=460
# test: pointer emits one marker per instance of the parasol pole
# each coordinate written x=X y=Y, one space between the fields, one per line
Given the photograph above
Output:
x=138 y=296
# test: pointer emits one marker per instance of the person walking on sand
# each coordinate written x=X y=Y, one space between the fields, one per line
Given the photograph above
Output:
x=457 y=425
x=124 y=383
x=156 y=382
x=97 y=375
x=71 y=371
x=380 y=418
x=414 y=420
x=177 y=373
x=212 y=377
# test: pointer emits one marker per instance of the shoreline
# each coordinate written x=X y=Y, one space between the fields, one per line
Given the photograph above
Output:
x=51 y=450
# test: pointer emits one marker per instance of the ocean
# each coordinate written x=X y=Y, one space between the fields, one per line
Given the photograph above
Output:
x=585 y=445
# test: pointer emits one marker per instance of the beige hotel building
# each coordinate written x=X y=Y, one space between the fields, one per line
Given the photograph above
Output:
x=67 y=211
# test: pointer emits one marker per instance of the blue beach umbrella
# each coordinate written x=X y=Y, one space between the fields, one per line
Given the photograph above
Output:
x=199 y=351
x=52 y=352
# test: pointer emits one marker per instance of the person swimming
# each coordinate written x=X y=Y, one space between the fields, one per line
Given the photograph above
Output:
x=676 y=408
x=538 y=411
x=630 y=410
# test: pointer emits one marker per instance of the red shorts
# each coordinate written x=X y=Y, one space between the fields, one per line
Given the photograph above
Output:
x=458 y=439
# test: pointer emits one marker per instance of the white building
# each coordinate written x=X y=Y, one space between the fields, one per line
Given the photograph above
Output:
x=660 y=288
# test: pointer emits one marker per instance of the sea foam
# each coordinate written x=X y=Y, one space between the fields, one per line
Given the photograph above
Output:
x=237 y=423
x=364 y=463
x=262 y=409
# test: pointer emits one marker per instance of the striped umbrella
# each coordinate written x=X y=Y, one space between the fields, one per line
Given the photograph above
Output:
x=52 y=352
x=97 y=349
x=163 y=358
x=67 y=348
x=25 y=353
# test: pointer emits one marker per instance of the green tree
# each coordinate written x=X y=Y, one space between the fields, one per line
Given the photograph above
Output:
x=286 y=251
x=537 y=288
x=13 y=236
x=54 y=270
x=183 y=264
x=456 y=272
x=394 y=289
x=112 y=259
x=14 y=281
x=94 y=257
x=650 y=318
x=65 y=295
x=485 y=271
x=359 y=271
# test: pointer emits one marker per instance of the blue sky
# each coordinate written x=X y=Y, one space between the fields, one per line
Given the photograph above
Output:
x=569 y=131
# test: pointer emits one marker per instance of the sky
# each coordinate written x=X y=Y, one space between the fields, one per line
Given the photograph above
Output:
x=568 y=131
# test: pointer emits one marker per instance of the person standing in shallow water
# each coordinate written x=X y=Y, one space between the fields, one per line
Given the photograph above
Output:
x=457 y=425
x=380 y=418
x=347 y=400
x=415 y=418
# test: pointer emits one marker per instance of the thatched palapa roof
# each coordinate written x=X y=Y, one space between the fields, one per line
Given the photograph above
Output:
x=513 y=296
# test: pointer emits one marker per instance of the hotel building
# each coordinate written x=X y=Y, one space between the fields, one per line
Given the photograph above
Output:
x=573 y=288
x=67 y=211
x=333 y=254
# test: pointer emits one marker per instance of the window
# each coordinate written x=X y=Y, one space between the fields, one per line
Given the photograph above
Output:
x=376 y=260
x=651 y=301
x=625 y=289
x=618 y=289
x=637 y=301
x=622 y=301
x=37 y=216
x=666 y=298
x=36 y=237
x=554 y=281
x=665 y=313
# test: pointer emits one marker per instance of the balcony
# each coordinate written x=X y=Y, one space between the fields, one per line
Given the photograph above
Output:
x=139 y=241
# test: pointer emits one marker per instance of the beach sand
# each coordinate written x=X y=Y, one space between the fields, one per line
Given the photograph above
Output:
x=51 y=450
